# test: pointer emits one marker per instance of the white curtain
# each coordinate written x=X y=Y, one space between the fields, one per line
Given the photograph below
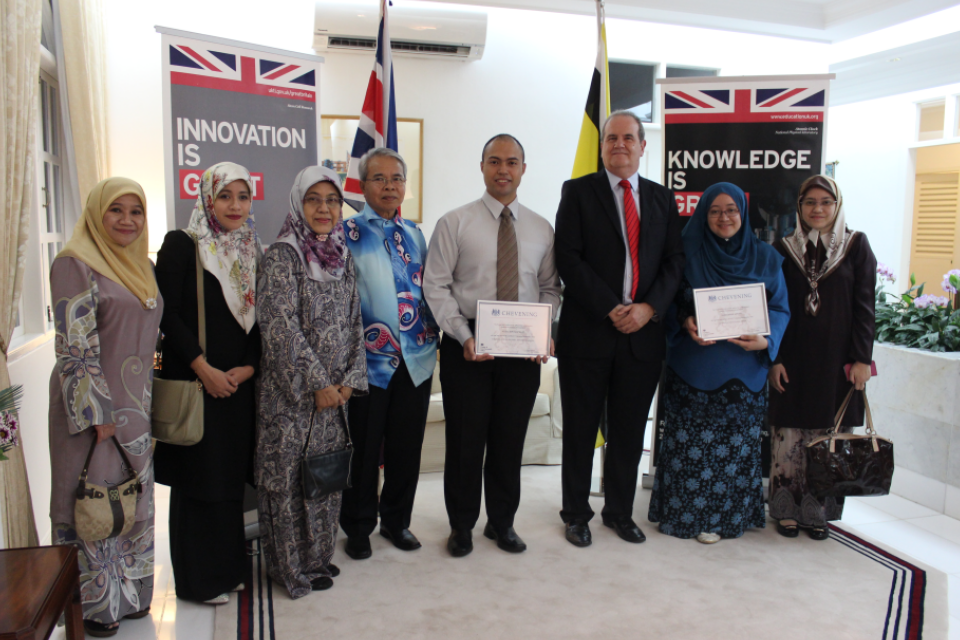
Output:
x=20 y=23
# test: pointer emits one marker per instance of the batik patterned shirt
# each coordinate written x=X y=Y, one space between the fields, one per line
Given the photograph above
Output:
x=397 y=324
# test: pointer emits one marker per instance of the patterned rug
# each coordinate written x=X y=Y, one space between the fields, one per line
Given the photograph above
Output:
x=759 y=586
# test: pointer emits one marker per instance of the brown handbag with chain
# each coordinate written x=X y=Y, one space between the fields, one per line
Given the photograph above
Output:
x=176 y=415
x=849 y=464
x=106 y=512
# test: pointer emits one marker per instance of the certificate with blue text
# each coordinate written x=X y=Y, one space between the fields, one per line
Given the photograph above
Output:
x=731 y=312
x=513 y=329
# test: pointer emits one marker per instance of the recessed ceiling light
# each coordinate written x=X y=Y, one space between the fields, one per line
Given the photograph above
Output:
x=894 y=60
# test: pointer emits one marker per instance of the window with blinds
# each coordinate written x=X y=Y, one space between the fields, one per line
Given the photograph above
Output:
x=935 y=242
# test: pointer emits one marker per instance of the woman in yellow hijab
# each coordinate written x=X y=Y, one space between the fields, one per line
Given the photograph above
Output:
x=107 y=312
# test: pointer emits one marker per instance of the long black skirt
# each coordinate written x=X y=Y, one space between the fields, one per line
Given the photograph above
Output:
x=207 y=546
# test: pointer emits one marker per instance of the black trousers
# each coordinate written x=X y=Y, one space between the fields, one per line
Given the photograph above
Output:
x=628 y=385
x=394 y=417
x=486 y=405
x=208 y=549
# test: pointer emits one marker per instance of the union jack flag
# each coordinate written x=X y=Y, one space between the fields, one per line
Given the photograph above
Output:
x=226 y=71
x=378 y=118
x=784 y=104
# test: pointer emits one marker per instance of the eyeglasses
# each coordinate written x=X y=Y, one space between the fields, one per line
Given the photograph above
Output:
x=810 y=203
x=381 y=181
x=716 y=214
x=315 y=201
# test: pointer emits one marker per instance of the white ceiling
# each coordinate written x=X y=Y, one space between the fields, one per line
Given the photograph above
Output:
x=818 y=20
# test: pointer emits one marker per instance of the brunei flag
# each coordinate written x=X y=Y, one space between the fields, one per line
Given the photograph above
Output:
x=598 y=108
x=588 y=158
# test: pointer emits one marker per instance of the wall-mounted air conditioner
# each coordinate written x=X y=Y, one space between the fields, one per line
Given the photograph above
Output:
x=414 y=30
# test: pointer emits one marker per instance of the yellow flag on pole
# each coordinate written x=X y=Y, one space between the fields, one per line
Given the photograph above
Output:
x=597 y=108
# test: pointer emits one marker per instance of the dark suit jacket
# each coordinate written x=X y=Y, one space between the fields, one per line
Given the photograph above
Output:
x=591 y=257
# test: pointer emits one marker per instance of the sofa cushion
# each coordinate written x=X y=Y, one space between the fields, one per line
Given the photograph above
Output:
x=435 y=410
x=541 y=406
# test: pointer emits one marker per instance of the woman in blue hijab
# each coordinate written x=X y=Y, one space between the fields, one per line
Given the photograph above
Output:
x=708 y=482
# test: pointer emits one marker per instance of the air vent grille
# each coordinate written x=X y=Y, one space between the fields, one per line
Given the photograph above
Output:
x=398 y=46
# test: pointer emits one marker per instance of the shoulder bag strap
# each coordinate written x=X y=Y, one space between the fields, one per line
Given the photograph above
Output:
x=346 y=429
x=842 y=411
x=82 y=485
x=306 y=445
x=201 y=310
x=123 y=454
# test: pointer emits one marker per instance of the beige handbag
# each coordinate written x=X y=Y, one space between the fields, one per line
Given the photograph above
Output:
x=106 y=512
x=177 y=408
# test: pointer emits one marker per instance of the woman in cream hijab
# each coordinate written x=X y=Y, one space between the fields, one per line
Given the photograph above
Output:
x=207 y=544
x=106 y=311
x=831 y=276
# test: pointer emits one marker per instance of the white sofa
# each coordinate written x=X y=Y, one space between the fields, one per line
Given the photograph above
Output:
x=543 y=444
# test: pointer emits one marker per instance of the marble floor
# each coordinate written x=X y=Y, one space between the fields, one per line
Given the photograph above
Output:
x=928 y=536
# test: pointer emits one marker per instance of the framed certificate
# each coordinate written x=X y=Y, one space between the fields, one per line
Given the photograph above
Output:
x=731 y=312
x=513 y=329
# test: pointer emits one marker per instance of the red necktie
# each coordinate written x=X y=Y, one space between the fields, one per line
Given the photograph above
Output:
x=633 y=232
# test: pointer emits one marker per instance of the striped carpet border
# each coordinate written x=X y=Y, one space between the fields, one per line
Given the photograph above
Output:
x=255 y=602
x=904 y=617
x=908 y=587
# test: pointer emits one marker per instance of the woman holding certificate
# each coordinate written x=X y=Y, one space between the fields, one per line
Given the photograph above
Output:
x=708 y=482
x=831 y=274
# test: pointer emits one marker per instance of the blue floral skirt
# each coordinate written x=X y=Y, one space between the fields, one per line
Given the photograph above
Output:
x=708 y=465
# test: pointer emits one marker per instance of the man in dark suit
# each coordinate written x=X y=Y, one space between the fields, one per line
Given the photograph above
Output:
x=620 y=256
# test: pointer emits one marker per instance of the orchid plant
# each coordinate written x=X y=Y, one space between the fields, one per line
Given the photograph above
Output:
x=9 y=422
x=916 y=319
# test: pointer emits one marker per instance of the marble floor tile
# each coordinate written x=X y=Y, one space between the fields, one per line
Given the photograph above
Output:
x=857 y=512
x=901 y=507
x=943 y=526
x=921 y=544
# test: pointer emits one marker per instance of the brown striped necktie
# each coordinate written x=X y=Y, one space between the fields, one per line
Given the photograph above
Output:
x=508 y=266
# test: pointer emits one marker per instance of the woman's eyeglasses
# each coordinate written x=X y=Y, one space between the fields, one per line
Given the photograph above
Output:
x=810 y=203
x=315 y=201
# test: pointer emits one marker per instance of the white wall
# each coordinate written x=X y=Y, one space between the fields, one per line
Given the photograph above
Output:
x=876 y=173
x=532 y=82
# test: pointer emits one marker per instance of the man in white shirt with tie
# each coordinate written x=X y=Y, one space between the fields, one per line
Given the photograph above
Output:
x=491 y=249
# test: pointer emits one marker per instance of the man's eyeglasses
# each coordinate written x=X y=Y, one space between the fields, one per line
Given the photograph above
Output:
x=315 y=201
x=380 y=181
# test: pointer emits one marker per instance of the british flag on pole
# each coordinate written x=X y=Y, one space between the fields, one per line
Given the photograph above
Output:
x=378 y=118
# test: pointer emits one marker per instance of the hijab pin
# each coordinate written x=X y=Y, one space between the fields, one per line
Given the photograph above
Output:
x=322 y=236
x=150 y=303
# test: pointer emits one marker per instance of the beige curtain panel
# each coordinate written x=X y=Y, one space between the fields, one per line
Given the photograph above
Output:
x=81 y=25
x=20 y=60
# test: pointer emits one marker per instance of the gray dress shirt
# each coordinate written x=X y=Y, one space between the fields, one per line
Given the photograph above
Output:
x=461 y=263
x=618 y=198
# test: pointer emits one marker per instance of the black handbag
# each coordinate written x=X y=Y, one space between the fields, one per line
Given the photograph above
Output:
x=326 y=473
x=848 y=464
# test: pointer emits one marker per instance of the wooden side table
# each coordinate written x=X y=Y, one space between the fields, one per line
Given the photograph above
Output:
x=37 y=584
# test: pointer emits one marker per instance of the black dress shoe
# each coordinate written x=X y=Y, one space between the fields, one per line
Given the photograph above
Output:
x=578 y=533
x=788 y=530
x=626 y=528
x=508 y=540
x=321 y=584
x=460 y=543
x=819 y=533
x=334 y=570
x=358 y=547
x=402 y=539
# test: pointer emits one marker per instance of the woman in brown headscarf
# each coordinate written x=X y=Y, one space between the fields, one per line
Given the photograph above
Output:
x=831 y=276
x=107 y=312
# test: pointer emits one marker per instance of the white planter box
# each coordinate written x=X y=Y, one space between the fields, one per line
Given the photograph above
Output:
x=915 y=400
